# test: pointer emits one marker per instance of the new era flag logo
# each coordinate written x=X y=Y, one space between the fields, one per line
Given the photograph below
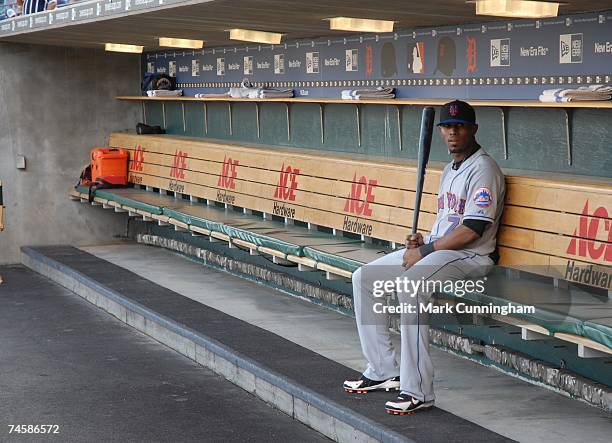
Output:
x=570 y=48
x=500 y=52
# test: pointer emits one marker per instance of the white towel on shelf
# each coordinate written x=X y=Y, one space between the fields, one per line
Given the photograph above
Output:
x=368 y=93
x=165 y=93
x=248 y=90
x=243 y=92
x=213 y=95
x=260 y=93
x=584 y=93
x=274 y=93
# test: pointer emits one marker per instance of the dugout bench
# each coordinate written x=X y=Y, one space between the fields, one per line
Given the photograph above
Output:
x=335 y=212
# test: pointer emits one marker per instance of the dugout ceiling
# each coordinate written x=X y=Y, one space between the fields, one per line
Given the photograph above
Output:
x=142 y=21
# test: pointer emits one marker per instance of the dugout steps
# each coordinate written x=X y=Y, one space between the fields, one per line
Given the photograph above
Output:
x=294 y=379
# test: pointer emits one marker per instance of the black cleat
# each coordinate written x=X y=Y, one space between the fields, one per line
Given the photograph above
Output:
x=364 y=385
x=407 y=404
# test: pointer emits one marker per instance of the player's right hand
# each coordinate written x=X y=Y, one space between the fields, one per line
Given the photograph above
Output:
x=414 y=240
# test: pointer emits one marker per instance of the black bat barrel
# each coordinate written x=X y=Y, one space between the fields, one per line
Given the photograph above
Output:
x=427 y=122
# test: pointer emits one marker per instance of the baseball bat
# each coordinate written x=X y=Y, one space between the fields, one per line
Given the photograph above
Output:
x=427 y=121
x=1 y=209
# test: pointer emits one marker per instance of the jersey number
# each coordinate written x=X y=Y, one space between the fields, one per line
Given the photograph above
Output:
x=454 y=220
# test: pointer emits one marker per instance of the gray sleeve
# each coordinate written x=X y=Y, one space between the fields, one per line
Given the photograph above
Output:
x=484 y=193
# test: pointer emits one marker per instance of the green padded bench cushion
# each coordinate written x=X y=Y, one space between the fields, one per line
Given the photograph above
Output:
x=599 y=330
x=285 y=238
x=151 y=202
x=146 y=201
x=140 y=199
x=203 y=216
x=282 y=237
x=82 y=189
x=348 y=257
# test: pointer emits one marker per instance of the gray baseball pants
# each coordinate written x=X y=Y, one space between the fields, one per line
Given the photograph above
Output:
x=416 y=369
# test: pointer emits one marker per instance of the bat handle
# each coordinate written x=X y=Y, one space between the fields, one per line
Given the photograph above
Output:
x=427 y=122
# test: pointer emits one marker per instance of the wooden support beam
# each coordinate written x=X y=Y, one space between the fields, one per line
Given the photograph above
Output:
x=244 y=244
x=586 y=346
x=280 y=261
x=333 y=273
x=179 y=226
x=195 y=230
x=219 y=236
x=585 y=352
x=304 y=268
x=529 y=335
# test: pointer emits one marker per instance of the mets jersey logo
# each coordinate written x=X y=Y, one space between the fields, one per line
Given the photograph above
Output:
x=483 y=197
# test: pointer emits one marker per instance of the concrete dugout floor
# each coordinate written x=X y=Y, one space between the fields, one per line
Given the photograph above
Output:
x=64 y=362
x=503 y=404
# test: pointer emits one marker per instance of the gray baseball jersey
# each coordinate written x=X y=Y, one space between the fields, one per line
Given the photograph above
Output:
x=476 y=190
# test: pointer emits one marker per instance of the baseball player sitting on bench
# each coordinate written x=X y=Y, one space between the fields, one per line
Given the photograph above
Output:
x=462 y=245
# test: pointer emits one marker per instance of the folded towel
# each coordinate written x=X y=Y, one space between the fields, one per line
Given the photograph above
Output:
x=585 y=93
x=552 y=99
x=274 y=93
x=365 y=93
x=165 y=93
x=213 y=95
x=242 y=92
x=260 y=93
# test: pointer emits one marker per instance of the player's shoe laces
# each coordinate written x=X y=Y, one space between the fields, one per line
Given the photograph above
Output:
x=407 y=404
x=364 y=385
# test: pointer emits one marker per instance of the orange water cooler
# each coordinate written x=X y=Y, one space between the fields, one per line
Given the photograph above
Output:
x=110 y=165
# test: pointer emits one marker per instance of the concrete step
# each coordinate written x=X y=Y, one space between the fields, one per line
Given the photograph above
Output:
x=296 y=380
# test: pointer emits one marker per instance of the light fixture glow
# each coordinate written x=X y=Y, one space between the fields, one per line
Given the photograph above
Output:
x=118 y=47
x=517 y=8
x=360 y=24
x=181 y=43
x=248 y=35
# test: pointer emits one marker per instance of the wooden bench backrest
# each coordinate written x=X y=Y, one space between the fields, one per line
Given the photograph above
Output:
x=546 y=222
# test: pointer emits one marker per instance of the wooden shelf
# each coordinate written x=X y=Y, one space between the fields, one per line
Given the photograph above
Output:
x=419 y=102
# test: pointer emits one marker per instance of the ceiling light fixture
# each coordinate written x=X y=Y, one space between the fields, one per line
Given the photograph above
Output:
x=248 y=35
x=360 y=24
x=185 y=43
x=516 y=8
x=118 y=47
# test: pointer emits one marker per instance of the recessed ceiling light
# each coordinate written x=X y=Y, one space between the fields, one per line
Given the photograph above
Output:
x=119 y=47
x=181 y=43
x=360 y=24
x=248 y=35
x=517 y=8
